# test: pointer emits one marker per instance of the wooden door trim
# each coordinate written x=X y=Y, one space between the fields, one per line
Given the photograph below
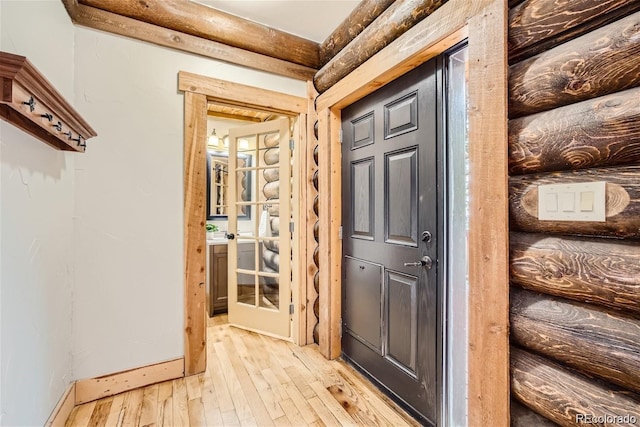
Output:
x=484 y=24
x=199 y=90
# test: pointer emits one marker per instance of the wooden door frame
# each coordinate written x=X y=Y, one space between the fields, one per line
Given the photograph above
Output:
x=198 y=92
x=484 y=24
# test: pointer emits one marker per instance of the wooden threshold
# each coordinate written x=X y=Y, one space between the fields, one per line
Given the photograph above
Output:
x=96 y=388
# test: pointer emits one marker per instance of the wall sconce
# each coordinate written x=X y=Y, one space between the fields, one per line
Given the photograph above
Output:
x=213 y=140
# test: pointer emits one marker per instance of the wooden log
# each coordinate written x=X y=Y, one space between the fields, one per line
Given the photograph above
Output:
x=538 y=25
x=315 y=134
x=272 y=156
x=316 y=231
x=602 y=272
x=316 y=281
x=272 y=245
x=274 y=209
x=622 y=203
x=271 y=174
x=316 y=256
x=272 y=140
x=391 y=24
x=316 y=334
x=364 y=14
x=560 y=395
x=271 y=190
x=275 y=226
x=116 y=24
x=595 y=64
x=521 y=416
x=212 y=24
x=316 y=307
x=315 y=204
x=271 y=259
x=599 y=132
x=314 y=179
x=584 y=337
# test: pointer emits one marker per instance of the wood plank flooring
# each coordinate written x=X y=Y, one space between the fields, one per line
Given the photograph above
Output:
x=251 y=380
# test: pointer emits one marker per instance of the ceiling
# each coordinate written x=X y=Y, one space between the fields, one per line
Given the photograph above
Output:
x=311 y=19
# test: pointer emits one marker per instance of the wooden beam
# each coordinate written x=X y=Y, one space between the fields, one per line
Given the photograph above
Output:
x=601 y=272
x=598 y=132
x=195 y=130
x=595 y=64
x=323 y=258
x=538 y=25
x=584 y=337
x=359 y=19
x=622 y=203
x=110 y=22
x=443 y=29
x=208 y=23
x=91 y=389
x=560 y=394
x=488 y=216
x=241 y=95
x=392 y=23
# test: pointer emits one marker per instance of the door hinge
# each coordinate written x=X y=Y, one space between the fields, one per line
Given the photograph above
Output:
x=340 y=233
x=291 y=227
x=292 y=144
x=340 y=328
x=291 y=308
x=340 y=137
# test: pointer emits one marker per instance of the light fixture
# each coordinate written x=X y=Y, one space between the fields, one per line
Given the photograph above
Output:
x=213 y=139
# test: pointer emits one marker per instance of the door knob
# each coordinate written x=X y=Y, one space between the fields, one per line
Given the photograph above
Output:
x=230 y=236
x=426 y=261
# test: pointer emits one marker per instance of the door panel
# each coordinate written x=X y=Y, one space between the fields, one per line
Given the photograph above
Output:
x=259 y=284
x=390 y=196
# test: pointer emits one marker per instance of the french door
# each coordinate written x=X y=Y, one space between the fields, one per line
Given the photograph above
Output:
x=260 y=251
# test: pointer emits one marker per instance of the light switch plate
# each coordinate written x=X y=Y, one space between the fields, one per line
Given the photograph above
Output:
x=585 y=201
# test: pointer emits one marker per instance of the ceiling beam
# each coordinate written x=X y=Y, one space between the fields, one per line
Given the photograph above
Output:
x=91 y=17
x=208 y=23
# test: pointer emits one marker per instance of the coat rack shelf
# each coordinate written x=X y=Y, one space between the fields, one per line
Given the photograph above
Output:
x=29 y=101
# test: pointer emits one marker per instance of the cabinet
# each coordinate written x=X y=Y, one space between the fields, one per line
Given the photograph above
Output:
x=218 y=279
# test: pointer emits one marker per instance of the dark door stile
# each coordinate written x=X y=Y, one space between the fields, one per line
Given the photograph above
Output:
x=392 y=185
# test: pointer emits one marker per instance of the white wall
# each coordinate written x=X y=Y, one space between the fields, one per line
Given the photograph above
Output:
x=128 y=301
x=36 y=229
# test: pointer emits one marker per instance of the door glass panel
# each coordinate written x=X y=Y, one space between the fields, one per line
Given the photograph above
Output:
x=269 y=290
x=246 y=254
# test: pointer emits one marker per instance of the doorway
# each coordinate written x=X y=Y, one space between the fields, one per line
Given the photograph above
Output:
x=401 y=172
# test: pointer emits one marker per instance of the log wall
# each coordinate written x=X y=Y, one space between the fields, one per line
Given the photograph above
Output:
x=574 y=108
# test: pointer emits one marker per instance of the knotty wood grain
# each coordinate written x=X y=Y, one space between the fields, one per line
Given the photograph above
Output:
x=602 y=272
x=212 y=24
x=559 y=394
x=538 y=25
x=604 y=131
x=359 y=19
x=392 y=23
x=595 y=64
x=586 y=338
x=622 y=212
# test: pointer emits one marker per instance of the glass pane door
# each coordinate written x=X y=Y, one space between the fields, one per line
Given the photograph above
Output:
x=260 y=189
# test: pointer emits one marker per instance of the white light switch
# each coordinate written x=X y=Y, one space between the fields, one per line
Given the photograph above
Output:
x=585 y=201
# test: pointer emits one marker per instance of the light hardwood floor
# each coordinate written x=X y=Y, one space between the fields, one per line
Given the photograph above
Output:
x=251 y=380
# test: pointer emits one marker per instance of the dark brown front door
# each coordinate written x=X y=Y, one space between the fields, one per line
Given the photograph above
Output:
x=390 y=238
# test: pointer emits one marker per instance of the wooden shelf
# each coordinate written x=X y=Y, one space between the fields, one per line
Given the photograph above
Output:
x=30 y=102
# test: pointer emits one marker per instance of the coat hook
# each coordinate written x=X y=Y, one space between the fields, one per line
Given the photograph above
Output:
x=31 y=103
x=68 y=134
x=58 y=126
x=47 y=116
